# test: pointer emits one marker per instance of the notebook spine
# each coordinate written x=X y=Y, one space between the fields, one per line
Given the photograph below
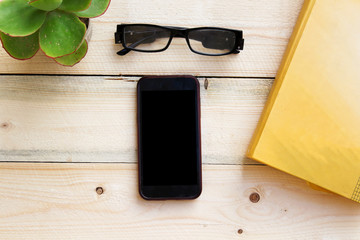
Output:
x=288 y=55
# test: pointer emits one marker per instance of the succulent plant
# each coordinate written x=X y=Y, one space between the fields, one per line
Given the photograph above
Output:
x=54 y=26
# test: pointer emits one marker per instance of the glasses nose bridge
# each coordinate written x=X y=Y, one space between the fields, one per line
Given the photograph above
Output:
x=179 y=33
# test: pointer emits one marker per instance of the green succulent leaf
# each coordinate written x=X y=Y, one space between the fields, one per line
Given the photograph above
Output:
x=46 y=5
x=61 y=34
x=74 y=58
x=75 y=5
x=97 y=8
x=18 y=18
x=21 y=47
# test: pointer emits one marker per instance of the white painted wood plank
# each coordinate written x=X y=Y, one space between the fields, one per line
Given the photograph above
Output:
x=59 y=201
x=93 y=119
x=267 y=26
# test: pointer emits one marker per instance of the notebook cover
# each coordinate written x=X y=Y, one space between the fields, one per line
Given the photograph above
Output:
x=310 y=126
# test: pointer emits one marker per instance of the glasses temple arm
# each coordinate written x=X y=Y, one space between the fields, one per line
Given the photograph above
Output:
x=123 y=51
x=127 y=50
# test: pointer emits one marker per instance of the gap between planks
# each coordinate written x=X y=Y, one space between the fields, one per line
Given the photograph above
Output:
x=121 y=77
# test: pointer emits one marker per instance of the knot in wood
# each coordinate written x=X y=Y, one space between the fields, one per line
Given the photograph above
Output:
x=99 y=190
x=254 y=197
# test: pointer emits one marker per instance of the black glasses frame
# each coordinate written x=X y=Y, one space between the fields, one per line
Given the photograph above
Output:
x=177 y=32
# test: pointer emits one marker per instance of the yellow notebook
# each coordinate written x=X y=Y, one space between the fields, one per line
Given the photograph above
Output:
x=310 y=126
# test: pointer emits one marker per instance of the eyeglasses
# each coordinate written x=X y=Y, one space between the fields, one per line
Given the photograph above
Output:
x=210 y=41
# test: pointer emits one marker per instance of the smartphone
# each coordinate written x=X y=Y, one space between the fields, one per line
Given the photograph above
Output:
x=169 y=142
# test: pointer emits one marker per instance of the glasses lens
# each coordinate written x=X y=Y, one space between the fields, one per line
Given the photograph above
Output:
x=146 y=38
x=212 y=41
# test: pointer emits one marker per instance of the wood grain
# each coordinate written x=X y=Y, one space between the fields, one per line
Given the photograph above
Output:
x=267 y=28
x=93 y=119
x=59 y=201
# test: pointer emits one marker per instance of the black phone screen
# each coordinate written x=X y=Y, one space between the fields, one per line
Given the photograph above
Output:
x=169 y=137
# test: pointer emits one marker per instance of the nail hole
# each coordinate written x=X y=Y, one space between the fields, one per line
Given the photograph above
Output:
x=206 y=83
x=254 y=197
x=4 y=125
x=240 y=231
x=99 y=190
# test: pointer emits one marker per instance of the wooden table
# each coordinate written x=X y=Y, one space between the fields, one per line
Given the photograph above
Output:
x=68 y=137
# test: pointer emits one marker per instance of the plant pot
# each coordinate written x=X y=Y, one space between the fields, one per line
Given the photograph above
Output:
x=89 y=28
